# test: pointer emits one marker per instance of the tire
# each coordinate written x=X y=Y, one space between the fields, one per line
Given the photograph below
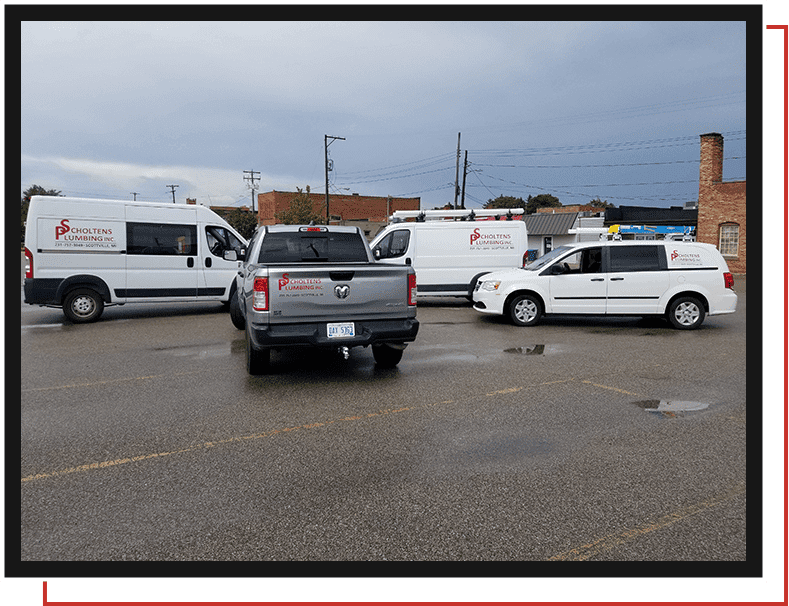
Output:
x=686 y=313
x=257 y=359
x=83 y=305
x=236 y=315
x=525 y=310
x=387 y=356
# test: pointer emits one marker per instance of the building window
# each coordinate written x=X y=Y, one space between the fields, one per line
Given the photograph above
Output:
x=729 y=240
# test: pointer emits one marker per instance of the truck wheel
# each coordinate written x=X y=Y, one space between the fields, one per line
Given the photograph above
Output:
x=257 y=359
x=525 y=310
x=236 y=316
x=686 y=313
x=387 y=356
x=83 y=305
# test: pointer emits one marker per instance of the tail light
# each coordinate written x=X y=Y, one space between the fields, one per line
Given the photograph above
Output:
x=525 y=259
x=260 y=295
x=412 y=289
x=28 y=263
x=728 y=280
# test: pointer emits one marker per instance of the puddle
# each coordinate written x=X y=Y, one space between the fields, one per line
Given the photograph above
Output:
x=671 y=408
x=530 y=350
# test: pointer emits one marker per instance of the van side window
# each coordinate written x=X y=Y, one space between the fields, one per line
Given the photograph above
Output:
x=161 y=239
x=220 y=239
x=636 y=258
x=395 y=244
x=585 y=261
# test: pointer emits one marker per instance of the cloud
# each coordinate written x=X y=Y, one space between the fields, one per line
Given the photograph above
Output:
x=214 y=186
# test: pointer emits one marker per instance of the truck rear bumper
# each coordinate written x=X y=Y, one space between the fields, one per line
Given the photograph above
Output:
x=367 y=332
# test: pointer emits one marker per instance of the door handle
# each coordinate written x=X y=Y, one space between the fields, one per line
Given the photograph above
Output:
x=190 y=262
x=598 y=280
x=616 y=279
x=208 y=261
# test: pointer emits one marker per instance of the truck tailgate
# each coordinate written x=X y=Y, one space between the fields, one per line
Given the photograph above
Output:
x=337 y=292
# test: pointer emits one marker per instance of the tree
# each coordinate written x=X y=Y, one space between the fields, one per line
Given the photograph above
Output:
x=35 y=190
x=541 y=201
x=301 y=211
x=598 y=203
x=244 y=222
x=505 y=202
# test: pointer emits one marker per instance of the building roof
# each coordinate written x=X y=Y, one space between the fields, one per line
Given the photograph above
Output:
x=549 y=224
x=648 y=215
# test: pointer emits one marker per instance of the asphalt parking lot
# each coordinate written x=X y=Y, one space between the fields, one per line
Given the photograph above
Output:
x=614 y=439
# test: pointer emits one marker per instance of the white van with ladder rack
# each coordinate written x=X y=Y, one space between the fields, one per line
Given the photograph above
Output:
x=451 y=249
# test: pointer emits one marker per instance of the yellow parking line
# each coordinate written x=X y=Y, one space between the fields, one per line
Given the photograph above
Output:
x=206 y=445
x=590 y=550
x=111 y=381
x=629 y=393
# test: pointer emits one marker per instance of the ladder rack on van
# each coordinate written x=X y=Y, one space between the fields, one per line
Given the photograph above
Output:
x=463 y=215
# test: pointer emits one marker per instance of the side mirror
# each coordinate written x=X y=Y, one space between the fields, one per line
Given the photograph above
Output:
x=557 y=269
x=230 y=255
x=377 y=254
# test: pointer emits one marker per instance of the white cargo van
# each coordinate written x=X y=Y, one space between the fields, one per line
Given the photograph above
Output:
x=450 y=250
x=83 y=254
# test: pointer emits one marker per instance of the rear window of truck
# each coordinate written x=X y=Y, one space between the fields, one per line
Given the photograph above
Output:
x=299 y=247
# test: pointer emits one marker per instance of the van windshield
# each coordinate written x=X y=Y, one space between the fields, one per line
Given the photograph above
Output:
x=548 y=259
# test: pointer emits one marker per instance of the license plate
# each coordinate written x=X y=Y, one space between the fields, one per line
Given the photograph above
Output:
x=340 y=330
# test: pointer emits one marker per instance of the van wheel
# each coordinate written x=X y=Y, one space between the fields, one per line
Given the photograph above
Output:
x=387 y=356
x=236 y=315
x=257 y=359
x=525 y=310
x=83 y=305
x=686 y=313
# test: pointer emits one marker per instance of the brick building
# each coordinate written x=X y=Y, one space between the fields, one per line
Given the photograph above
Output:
x=343 y=209
x=721 y=212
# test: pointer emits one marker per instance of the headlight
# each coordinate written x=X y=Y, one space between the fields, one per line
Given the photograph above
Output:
x=491 y=285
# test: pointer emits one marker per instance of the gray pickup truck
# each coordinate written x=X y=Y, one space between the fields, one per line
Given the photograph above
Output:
x=320 y=286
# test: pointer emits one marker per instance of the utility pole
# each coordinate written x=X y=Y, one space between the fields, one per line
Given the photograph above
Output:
x=172 y=188
x=134 y=193
x=463 y=194
x=252 y=178
x=457 y=168
x=326 y=161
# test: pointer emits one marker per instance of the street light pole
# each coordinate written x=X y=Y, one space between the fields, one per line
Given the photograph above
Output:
x=326 y=165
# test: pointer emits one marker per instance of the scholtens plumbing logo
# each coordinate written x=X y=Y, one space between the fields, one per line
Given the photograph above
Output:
x=685 y=258
x=479 y=239
x=66 y=232
x=288 y=284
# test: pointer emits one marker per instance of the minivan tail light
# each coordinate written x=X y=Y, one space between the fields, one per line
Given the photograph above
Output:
x=728 y=280
x=412 y=289
x=28 y=263
x=260 y=294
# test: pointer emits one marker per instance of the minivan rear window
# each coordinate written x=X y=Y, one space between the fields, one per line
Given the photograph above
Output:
x=296 y=247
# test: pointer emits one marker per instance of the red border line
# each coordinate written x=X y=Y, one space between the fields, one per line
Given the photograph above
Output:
x=786 y=297
x=785 y=29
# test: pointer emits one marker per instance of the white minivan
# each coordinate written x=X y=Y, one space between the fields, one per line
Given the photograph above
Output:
x=84 y=254
x=449 y=256
x=683 y=281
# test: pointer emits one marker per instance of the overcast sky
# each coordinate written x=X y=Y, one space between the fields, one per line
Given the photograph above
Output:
x=578 y=110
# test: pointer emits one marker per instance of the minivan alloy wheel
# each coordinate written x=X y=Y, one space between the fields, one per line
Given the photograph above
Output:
x=686 y=313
